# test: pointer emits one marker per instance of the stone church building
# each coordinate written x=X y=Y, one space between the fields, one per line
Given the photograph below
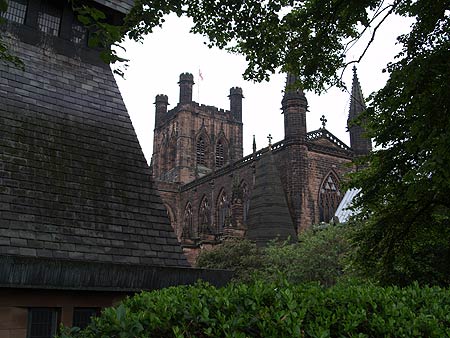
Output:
x=211 y=191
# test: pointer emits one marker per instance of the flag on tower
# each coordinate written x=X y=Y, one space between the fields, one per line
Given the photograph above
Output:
x=200 y=75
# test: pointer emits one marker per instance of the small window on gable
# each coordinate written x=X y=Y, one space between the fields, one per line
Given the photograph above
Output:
x=329 y=197
x=16 y=12
x=201 y=149
x=43 y=322
x=220 y=154
x=49 y=18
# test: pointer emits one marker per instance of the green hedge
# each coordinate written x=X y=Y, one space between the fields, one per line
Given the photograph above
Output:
x=270 y=310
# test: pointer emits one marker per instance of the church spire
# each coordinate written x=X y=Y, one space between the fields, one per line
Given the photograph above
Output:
x=360 y=144
x=357 y=104
x=294 y=106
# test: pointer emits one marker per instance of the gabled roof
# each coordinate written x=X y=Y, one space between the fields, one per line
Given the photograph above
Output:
x=74 y=183
x=123 y=6
x=323 y=133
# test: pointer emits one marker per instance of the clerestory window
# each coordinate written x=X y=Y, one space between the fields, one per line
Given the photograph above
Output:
x=188 y=223
x=223 y=211
x=204 y=217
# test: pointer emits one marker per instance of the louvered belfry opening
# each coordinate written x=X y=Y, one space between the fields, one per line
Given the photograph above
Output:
x=201 y=149
x=329 y=197
x=220 y=154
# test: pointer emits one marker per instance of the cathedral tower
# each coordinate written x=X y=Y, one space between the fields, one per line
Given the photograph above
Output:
x=192 y=140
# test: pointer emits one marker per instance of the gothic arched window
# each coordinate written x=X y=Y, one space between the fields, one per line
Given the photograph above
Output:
x=188 y=223
x=329 y=197
x=245 y=200
x=204 y=216
x=220 y=154
x=223 y=211
x=201 y=151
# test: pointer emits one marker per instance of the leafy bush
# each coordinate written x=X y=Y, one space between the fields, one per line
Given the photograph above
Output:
x=319 y=256
x=277 y=310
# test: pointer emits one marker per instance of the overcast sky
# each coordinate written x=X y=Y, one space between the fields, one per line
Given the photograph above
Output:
x=155 y=66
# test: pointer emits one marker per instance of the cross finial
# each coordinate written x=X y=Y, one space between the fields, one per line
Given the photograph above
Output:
x=270 y=139
x=324 y=121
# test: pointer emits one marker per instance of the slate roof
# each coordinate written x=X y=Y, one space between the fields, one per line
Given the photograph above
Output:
x=74 y=183
x=268 y=214
x=123 y=6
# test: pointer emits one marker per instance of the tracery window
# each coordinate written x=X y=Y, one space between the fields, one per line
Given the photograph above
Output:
x=204 y=216
x=329 y=197
x=16 y=12
x=223 y=211
x=201 y=150
x=49 y=18
x=220 y=154
x=188 y=223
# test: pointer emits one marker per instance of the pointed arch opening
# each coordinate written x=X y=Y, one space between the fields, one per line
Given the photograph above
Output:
x=245 y=200
x=189 y=231
x=329 y=197
x=223 y=211
x=204 y=217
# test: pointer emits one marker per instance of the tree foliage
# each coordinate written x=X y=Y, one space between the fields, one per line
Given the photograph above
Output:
x=320 y=256
x=405 y=201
